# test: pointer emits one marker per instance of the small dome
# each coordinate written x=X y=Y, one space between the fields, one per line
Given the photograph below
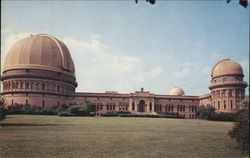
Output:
x=227 y=67
x=41 y=51
x=176 y=91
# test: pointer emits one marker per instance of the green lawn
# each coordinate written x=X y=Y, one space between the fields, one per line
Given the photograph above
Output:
x=53 y=136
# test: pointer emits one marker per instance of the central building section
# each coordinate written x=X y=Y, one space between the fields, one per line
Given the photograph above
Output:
x=141 y=102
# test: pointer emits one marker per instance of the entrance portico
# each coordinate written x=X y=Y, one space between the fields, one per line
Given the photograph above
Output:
x=142 y=107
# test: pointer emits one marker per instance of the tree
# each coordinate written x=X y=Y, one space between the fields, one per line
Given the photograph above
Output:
x=243 y=3
x=2 y=109
x=89 y=107
x=83 y=109
x=240 y=132
x=205 y=112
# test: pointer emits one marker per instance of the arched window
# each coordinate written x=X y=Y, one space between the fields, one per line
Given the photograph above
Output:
x=13 y=85
x=37 y=86
x=31 y=85
x=21 y=85
x=133 y=106
x=27 y=85
x=43 y=86
x=230 y=93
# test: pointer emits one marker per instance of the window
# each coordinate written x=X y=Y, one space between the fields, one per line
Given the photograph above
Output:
x=27 y=85
x=26 y=102
x=231 y=104
x=230 y=93
x=225 y=106
x=218 y=104
x=43 y=103
x=58 y=88
x=31 y=85
x=223 y=93
x=133 y=106
x=218 y=93
x=150 y=107
x=13 y=85
x=43 y=86
x=21 y=86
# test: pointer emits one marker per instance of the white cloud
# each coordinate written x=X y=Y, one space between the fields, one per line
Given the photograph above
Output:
x=9 y=38
x=99 y=69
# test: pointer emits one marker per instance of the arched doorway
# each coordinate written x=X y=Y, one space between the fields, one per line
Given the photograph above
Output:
x=142 y=106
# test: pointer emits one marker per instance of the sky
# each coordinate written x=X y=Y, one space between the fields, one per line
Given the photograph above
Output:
x=123 y=46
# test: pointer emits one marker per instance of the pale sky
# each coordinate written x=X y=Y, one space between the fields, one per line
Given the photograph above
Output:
x=123 y=46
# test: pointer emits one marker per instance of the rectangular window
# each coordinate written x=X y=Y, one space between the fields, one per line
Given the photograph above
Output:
x=133 y=106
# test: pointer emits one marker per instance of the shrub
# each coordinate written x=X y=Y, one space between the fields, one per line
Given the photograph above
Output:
x=223 y=117
x=34 y=110
x=240 y=132
x=2 y=110
x=110 y=114
x=65 y=114
x=205 y=112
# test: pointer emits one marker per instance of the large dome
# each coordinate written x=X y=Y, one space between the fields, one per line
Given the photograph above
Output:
x=41 y=51
x=227 y=67
x=176 y=91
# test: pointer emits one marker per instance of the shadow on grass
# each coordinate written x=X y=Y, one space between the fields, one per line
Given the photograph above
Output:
x=24 y=124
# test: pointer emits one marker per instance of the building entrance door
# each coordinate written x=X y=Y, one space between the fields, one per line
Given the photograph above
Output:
x=142 y=106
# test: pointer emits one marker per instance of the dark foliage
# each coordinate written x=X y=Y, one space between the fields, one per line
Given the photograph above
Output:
x=110 y=114
x=85 y=109
x=65 y=114
x=2 y=110
x=205 y=112
x=241 y=130
x=223 y=117
x=34 y=110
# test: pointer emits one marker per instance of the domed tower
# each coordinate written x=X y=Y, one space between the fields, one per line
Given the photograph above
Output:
x=227 y=86
x=176 y=91
x=38 y=70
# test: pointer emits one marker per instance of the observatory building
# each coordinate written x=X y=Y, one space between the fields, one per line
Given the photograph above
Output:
x=39 y=71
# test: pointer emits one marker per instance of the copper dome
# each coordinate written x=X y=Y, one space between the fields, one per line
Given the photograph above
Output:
x=177 y=91
x=226 y=67
x=41 y=51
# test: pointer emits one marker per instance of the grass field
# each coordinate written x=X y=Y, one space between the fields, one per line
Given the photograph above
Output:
x=53 y=136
